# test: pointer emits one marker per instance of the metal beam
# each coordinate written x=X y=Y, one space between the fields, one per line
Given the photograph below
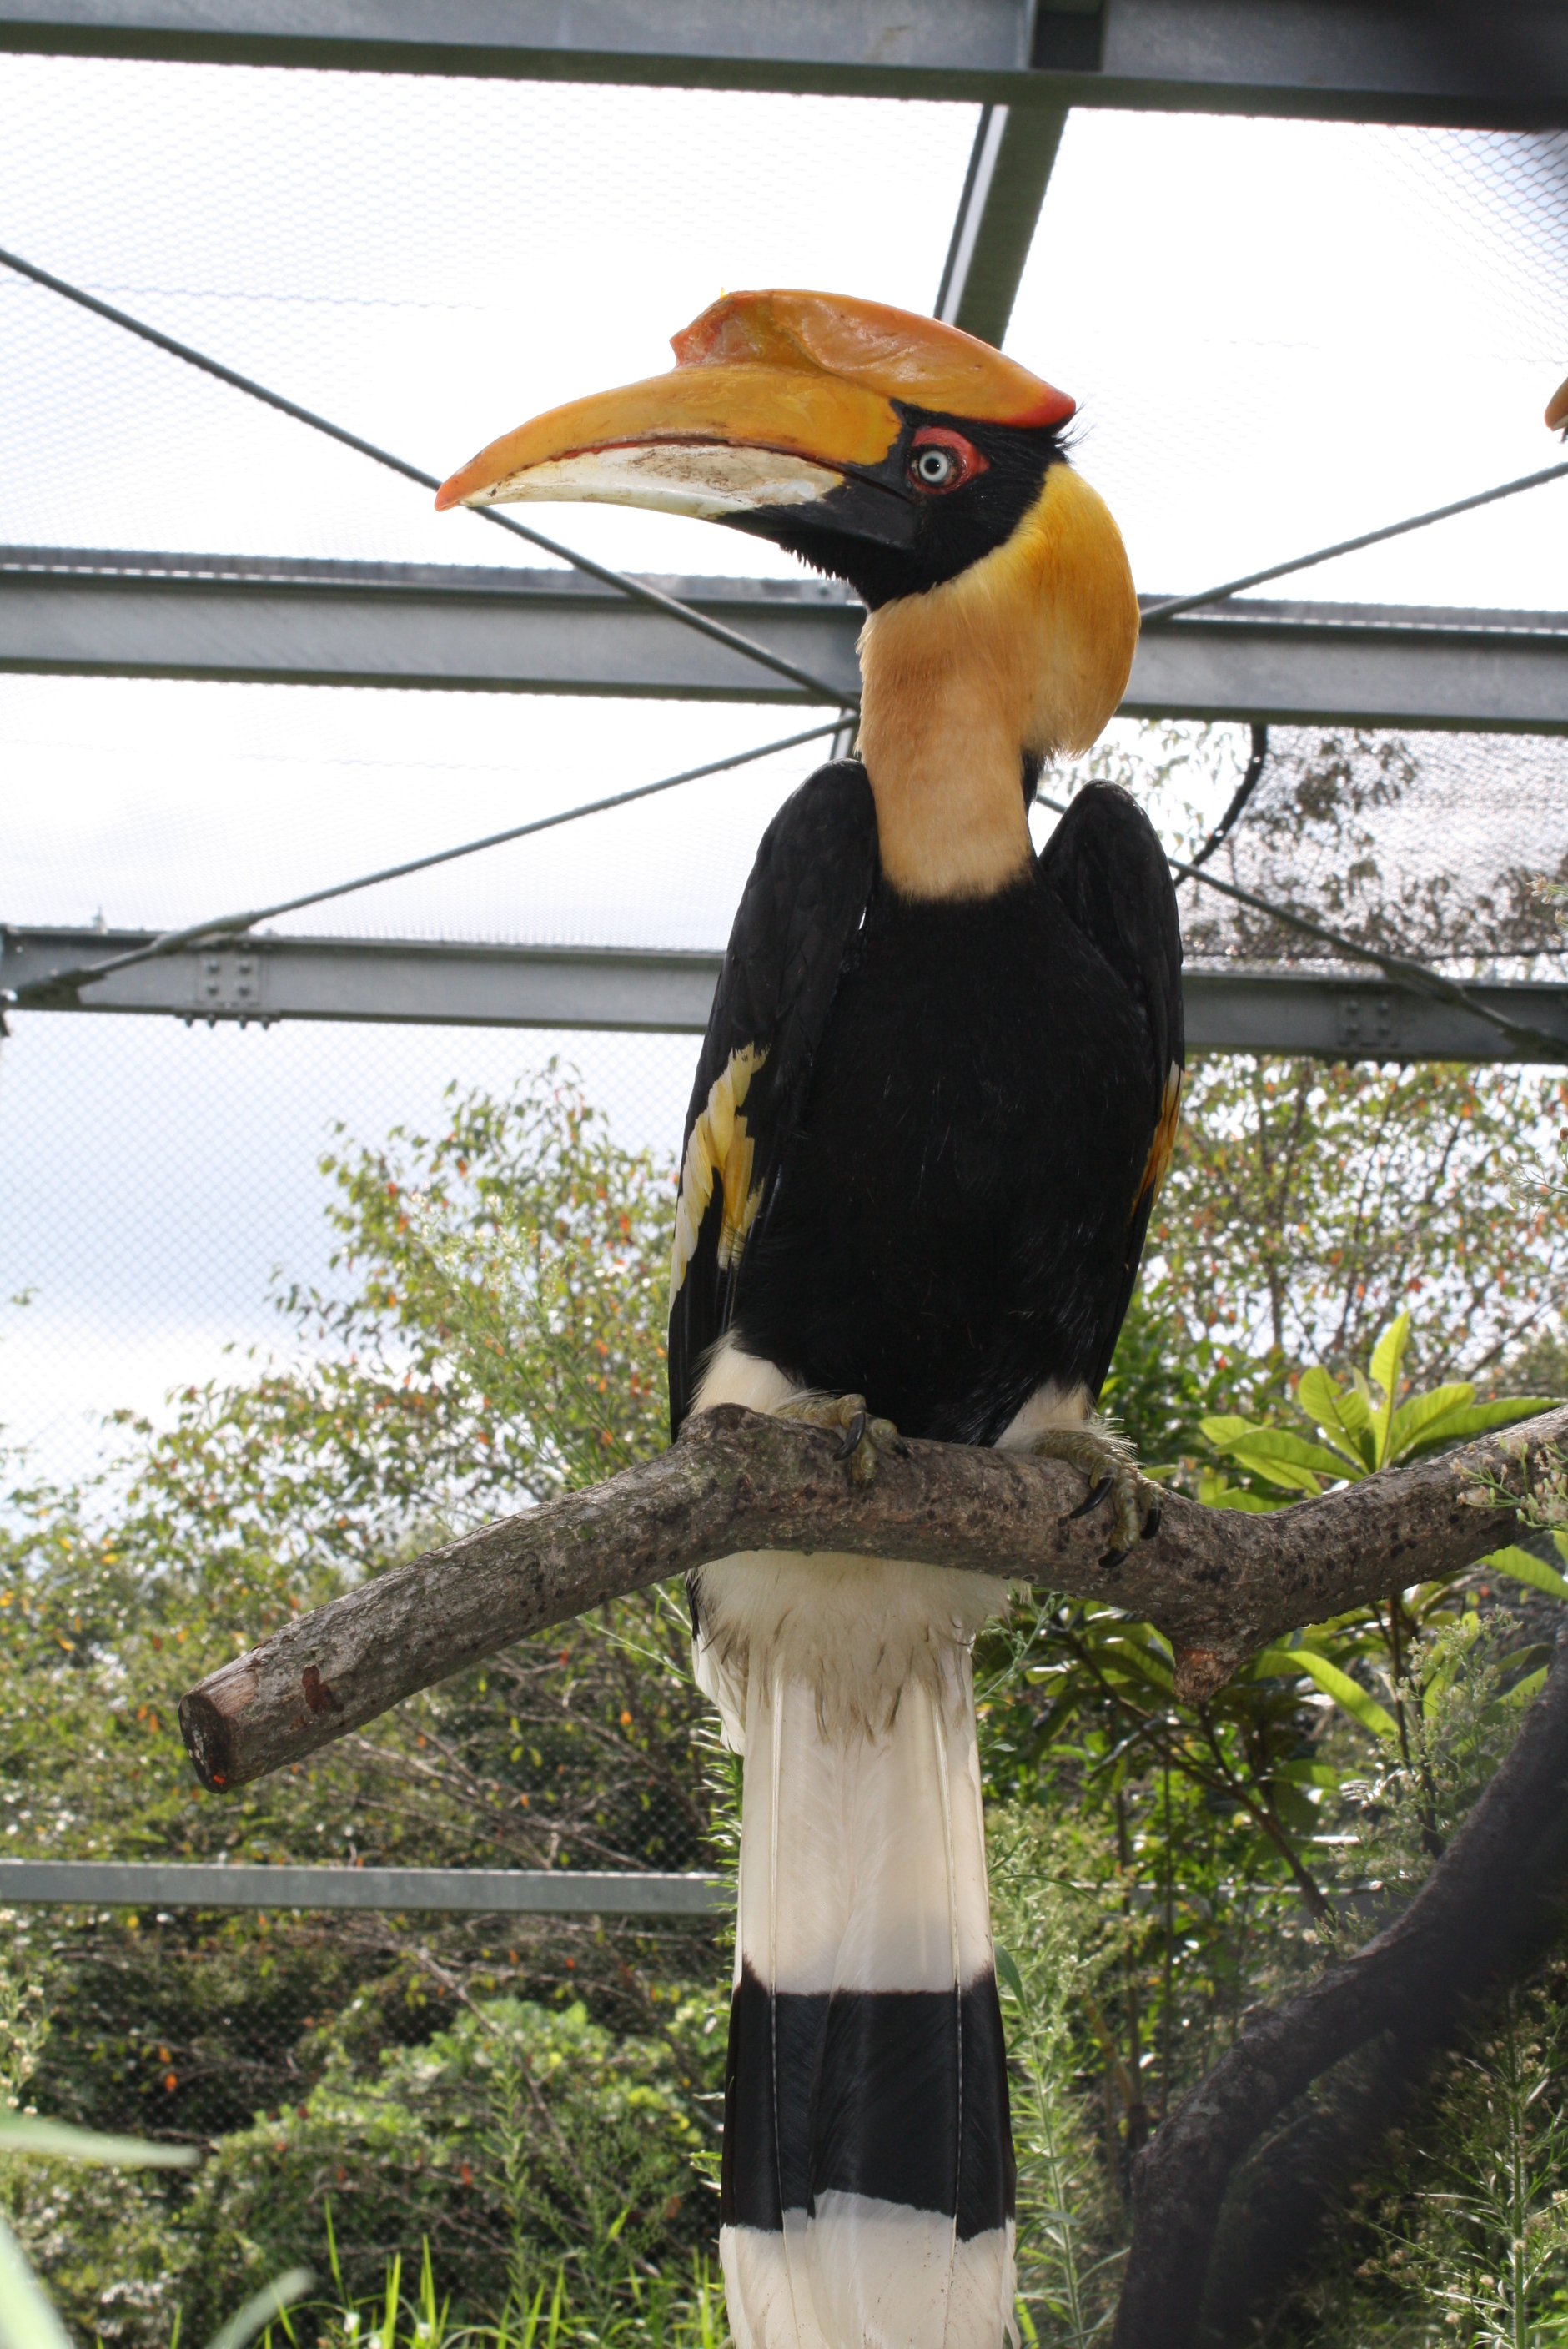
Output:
x=1372 y=61
x=179 y=1884
x=262 y=619
x=445 y=626
x=1010 y=166
x=1348 y=1017
x=440 y=984
x=1356 y=664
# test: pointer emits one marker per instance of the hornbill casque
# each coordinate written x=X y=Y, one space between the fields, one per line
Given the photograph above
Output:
x=935 y=1100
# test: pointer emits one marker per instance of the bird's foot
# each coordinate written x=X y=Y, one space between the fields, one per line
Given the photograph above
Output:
x=863 y=1438
x=1109 y=1464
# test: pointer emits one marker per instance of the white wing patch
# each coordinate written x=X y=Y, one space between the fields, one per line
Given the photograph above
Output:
x=720 y=1152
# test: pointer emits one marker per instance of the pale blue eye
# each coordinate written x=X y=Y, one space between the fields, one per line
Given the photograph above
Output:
x=934 y=468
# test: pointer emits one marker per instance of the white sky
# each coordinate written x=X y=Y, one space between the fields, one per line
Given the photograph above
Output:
x=1277 y=332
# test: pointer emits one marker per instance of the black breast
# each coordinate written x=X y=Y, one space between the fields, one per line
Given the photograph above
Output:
x=951 y=1222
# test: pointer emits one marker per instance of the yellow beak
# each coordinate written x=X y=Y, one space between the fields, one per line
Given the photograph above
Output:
x=706 y=441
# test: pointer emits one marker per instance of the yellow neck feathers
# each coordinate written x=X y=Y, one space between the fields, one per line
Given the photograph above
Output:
x=1026 y=652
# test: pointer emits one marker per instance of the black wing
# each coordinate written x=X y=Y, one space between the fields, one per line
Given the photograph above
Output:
x=1105 y=863
x=802 y=905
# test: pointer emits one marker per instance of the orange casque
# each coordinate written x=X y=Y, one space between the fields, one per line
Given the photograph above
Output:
x=894 y=352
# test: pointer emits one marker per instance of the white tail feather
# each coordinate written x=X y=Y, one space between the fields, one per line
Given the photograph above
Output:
x=863 y=1869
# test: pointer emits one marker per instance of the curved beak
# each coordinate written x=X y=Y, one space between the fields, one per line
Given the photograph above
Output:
x=719 y=441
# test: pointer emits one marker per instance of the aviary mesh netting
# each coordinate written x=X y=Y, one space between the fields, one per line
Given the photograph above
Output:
x=1452 y=848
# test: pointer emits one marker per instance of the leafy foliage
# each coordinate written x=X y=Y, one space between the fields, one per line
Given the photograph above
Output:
x=1309 y=1204
x=492 y=1333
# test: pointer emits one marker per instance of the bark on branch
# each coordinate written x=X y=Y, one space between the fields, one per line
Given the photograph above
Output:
x=1218 y=1584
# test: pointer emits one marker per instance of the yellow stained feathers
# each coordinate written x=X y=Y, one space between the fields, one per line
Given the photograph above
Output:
x=720 y=1152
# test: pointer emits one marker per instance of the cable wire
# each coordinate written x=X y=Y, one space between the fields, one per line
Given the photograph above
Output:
x=228 y=926
x=1399 y=966
x=1239 y=797
x=624 y=582
x=1171 y=605
x=627 y=582
x=1403 y=968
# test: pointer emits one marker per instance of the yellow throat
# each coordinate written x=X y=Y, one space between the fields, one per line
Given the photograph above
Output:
x=1027 y=653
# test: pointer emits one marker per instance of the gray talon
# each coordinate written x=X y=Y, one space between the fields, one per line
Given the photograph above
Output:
x=1104 y=1460
x=862 y=1437
x=1091 y=1499
x=852 y=1437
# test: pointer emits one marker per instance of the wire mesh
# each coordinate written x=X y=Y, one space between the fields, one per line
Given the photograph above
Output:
x=163 y=1185
x=152 y=804
x=427 y=261
x=1284 y=333
x=1452 y=848
x=360 y=2085
x=162 y=1181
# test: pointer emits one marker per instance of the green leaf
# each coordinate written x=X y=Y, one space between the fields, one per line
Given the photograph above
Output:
x=1308 y=1773
x=1388 y=1355
x=1319 y=1394
x=59 y=2141
x=1419 y=1417
x=1285 y=1460
x=1276 y=1664
x=1281 y=1473
x=1348 y=1694
x=1342 y=1418
x=1523 y=1691
x=1223 y=1431
x=1480 y=1417
x=1520 y=1566
x=1280 y=1444
x=27 y=2321
x=262 y=2309
x=1137 y=1662
x=1008 y=1973
x=1216 y=1492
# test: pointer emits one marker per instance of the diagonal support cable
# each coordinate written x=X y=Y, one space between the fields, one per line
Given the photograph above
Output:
x=1172 y=605
x=228 y=926
x=1403 y=968
x=638 y=589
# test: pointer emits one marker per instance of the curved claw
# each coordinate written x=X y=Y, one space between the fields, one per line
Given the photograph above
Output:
x=1112 y=1559
x=852 y=1438
x=1151 y=1522
x=1091 y=1499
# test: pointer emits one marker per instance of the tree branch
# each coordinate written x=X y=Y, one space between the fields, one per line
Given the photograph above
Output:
x=1471 y=1916
x=1219 y=1584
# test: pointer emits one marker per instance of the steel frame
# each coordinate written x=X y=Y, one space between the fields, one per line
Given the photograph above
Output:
x=1335 y=1016
x=82 y=612
x=1383 y=60
x=532 y=1891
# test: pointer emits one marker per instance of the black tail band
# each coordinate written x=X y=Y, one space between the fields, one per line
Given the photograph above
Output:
x=900 y=2096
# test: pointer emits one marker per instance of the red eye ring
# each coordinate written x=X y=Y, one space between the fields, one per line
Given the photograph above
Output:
x=942 y=460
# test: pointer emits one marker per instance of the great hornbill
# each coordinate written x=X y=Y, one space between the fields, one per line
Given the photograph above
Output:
x=936 y=1097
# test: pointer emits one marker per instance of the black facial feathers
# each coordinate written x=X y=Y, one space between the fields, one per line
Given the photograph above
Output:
x=889 y=537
